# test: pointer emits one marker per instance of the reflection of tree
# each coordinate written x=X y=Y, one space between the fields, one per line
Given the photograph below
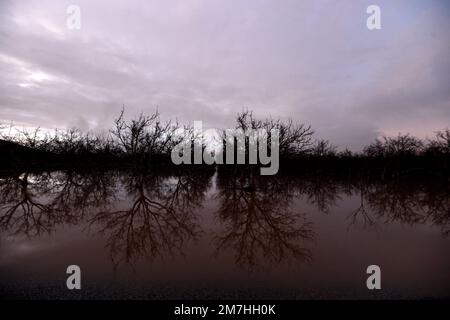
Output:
x=396 y=204
x=150 y=215
x=321 y=192
x=257 y=221
x=34 y=203
x=160 y=218
x=361 y=212
x=437 y=202
x=24 y=210
x=75 y=193
x=408 y=202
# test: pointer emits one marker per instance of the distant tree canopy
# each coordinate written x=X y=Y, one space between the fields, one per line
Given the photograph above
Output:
x=294 y=139
x=407 y=145
x=146 y=136
x=402 y=145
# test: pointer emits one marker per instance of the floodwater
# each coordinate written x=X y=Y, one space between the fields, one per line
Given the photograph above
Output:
x=209 y=234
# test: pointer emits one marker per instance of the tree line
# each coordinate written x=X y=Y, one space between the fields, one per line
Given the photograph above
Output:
x=147 y=138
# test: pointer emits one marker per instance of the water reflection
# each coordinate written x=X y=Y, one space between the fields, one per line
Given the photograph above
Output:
x=158 y=218
x=261 y=218
x=35 y=203
x=258 y=220
x=403 y=200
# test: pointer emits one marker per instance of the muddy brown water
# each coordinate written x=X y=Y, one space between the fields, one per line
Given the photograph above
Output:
x=214 y=235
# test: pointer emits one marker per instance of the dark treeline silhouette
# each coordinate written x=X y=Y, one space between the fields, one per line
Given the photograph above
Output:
x=404 y=154
x=147 y=140
x=128 y=143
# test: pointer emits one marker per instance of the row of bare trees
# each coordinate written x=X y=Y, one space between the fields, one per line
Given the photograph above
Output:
x=71 y=141
x=298 y=140
x=147 y=136
x=407 y=145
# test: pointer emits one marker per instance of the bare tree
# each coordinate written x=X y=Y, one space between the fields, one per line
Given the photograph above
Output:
x=402 y=145
x=294 y=139
x=145 y=134
x=162 y=137
x=323 y=148
x=132 y=134
x=35 y=139
x=443 y=138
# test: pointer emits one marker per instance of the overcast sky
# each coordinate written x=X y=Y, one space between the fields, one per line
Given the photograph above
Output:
x=314 y=61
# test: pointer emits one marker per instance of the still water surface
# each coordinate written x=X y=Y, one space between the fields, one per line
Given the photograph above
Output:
x=207 y=234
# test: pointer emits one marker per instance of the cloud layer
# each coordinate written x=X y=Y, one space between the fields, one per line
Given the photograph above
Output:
x=314 y=61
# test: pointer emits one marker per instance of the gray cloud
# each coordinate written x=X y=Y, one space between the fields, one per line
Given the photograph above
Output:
x=314 y=61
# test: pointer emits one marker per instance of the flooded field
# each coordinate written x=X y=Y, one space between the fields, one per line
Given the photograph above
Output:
x=210 y=234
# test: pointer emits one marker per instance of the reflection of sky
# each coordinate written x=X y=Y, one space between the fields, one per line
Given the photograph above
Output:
x=314 y=61
x=40 y=261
